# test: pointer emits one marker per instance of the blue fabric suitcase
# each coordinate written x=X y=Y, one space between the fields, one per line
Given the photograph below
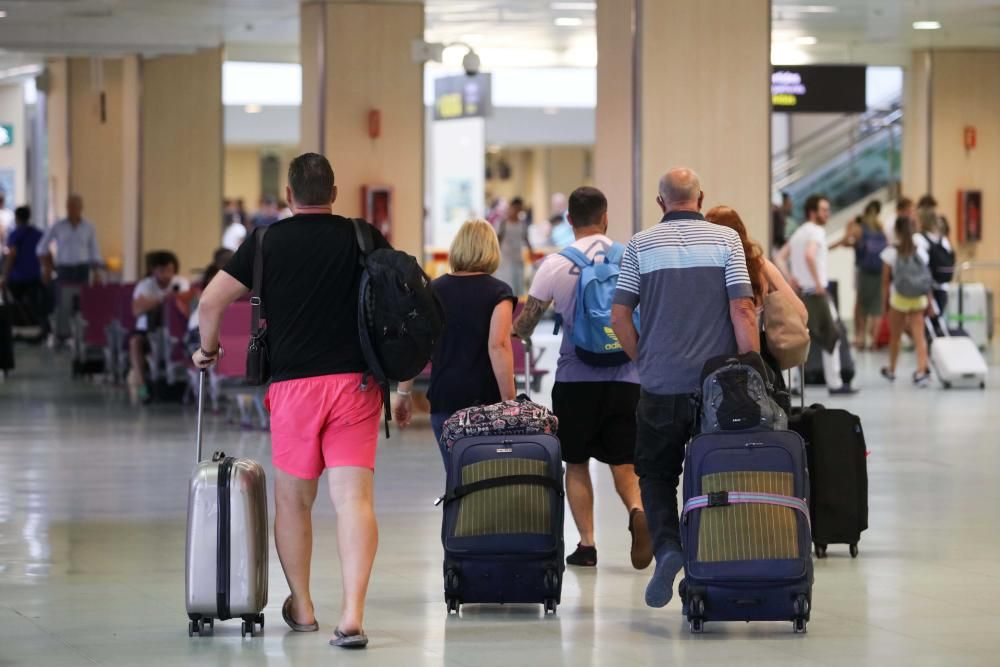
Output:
x=745 y=529
x=503 y=521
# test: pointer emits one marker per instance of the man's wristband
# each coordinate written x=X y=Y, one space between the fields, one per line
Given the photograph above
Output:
x=210 y=355
x=403 y=393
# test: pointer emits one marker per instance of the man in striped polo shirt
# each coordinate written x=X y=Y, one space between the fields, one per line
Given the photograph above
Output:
x=691 y=278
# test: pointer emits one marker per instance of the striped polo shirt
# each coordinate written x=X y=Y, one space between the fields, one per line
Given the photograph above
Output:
x=684 y=272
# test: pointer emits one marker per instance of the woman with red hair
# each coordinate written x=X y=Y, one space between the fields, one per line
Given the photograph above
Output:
x=765 y=277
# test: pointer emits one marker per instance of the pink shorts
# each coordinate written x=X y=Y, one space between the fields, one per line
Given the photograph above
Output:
x=323 y=422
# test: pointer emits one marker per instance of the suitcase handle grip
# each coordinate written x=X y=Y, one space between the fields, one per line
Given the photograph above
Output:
x=201 y=413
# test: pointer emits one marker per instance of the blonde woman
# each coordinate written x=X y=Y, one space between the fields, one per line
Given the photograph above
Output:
x=474 y=362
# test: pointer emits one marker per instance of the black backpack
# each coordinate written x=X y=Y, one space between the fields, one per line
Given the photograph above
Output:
x=400 y=317
x=942 y=261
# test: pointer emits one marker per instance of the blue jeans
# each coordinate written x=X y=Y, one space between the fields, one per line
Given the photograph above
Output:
x=437 y=423
x=665 y=424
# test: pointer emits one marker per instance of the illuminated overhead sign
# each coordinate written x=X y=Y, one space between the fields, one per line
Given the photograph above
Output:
x=462 y=96
x=6 y=134
x=818 y=88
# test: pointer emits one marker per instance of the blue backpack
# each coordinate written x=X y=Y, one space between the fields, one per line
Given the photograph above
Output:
x=868 y=250
x=595 y=341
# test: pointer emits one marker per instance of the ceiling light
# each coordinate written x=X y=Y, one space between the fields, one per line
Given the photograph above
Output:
x=805 y=40
x=926 y=25
x=815 y=9
x=574 y=6
x=252 y=108
x=569 y=21
x=3 y=14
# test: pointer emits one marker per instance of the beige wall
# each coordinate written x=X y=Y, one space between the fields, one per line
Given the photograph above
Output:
x=242 y=171
x=965 y=90
x=96 y=149
x=57 y=126
x=14 y=156
x=369 y=66
x=538 y=173
x=567 y=170
x=242 y=174
x=182 y=155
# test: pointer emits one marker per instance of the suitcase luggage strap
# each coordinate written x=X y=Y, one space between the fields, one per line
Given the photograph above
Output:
x=725 y=498
x=492 y=483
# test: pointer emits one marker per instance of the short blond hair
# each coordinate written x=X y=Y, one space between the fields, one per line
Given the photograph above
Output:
x=475 y=248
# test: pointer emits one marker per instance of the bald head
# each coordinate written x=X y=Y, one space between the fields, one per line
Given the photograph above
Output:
x=680 y=190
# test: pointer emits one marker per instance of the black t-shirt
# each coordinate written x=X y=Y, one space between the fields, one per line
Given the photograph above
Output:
x=310 y=294
x=461 y=371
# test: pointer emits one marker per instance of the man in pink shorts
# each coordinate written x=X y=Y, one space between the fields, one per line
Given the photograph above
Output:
x=322 y=415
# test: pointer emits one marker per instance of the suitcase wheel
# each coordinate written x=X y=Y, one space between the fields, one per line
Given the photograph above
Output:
x=697 y=626
x=820 y=551
x=550 y=606
x=201 y=627
x=452 y=581
x=854 y=550
x=453 y=605
x=696 y=607
x=799 y=626
x=247 y=627
x=802 y=607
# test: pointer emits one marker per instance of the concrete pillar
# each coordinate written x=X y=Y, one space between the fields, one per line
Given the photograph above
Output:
x=131 y=213
x=182 y=147
x=356 y=58
x=684 y=83
x=57 y=126
x=97 y=146
x=141 y=141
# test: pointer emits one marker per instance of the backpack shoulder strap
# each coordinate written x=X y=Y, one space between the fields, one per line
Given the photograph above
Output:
x=615 y=253
x=256 y=305
x=578 y=257
x=364 y=238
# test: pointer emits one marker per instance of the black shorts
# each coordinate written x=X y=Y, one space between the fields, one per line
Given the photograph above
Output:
x=596 y=420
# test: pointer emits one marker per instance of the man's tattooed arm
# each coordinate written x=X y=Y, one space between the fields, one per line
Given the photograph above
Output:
x=529 y=317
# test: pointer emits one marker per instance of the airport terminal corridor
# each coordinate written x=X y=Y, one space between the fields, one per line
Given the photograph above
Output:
x=92 y=521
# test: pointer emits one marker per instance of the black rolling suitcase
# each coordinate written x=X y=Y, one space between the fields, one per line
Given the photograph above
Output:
x=6 y=341
x=838 y=474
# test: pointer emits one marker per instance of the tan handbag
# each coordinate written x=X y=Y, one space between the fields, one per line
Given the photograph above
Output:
x=786 y=330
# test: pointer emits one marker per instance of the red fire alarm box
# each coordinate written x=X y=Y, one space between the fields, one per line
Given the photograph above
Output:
x=376 y=203
x=970 y=216
x=969 y=137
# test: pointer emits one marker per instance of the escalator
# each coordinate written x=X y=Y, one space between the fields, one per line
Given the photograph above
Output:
x=848 y=159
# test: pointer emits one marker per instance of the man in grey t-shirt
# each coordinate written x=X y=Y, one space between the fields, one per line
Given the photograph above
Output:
x=697 y=303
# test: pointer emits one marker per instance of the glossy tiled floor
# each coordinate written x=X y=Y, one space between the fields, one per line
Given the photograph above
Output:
x=92 y=506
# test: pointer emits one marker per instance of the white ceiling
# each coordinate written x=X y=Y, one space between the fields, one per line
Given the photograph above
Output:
x=505 y=32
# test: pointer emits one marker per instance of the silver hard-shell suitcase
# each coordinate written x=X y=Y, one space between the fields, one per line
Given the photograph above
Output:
x=227 y=540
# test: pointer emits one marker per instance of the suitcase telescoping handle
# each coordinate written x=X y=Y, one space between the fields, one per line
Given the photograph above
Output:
x=527 y=367
x=201 y=412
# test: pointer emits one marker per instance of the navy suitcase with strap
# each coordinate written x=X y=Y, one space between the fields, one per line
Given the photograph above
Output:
x=745 y=529
x=503 y=521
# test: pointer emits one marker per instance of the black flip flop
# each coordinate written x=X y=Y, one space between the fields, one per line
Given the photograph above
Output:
x=286 y=613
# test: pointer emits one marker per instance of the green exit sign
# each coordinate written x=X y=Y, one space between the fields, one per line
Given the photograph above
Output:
x=6 y=134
